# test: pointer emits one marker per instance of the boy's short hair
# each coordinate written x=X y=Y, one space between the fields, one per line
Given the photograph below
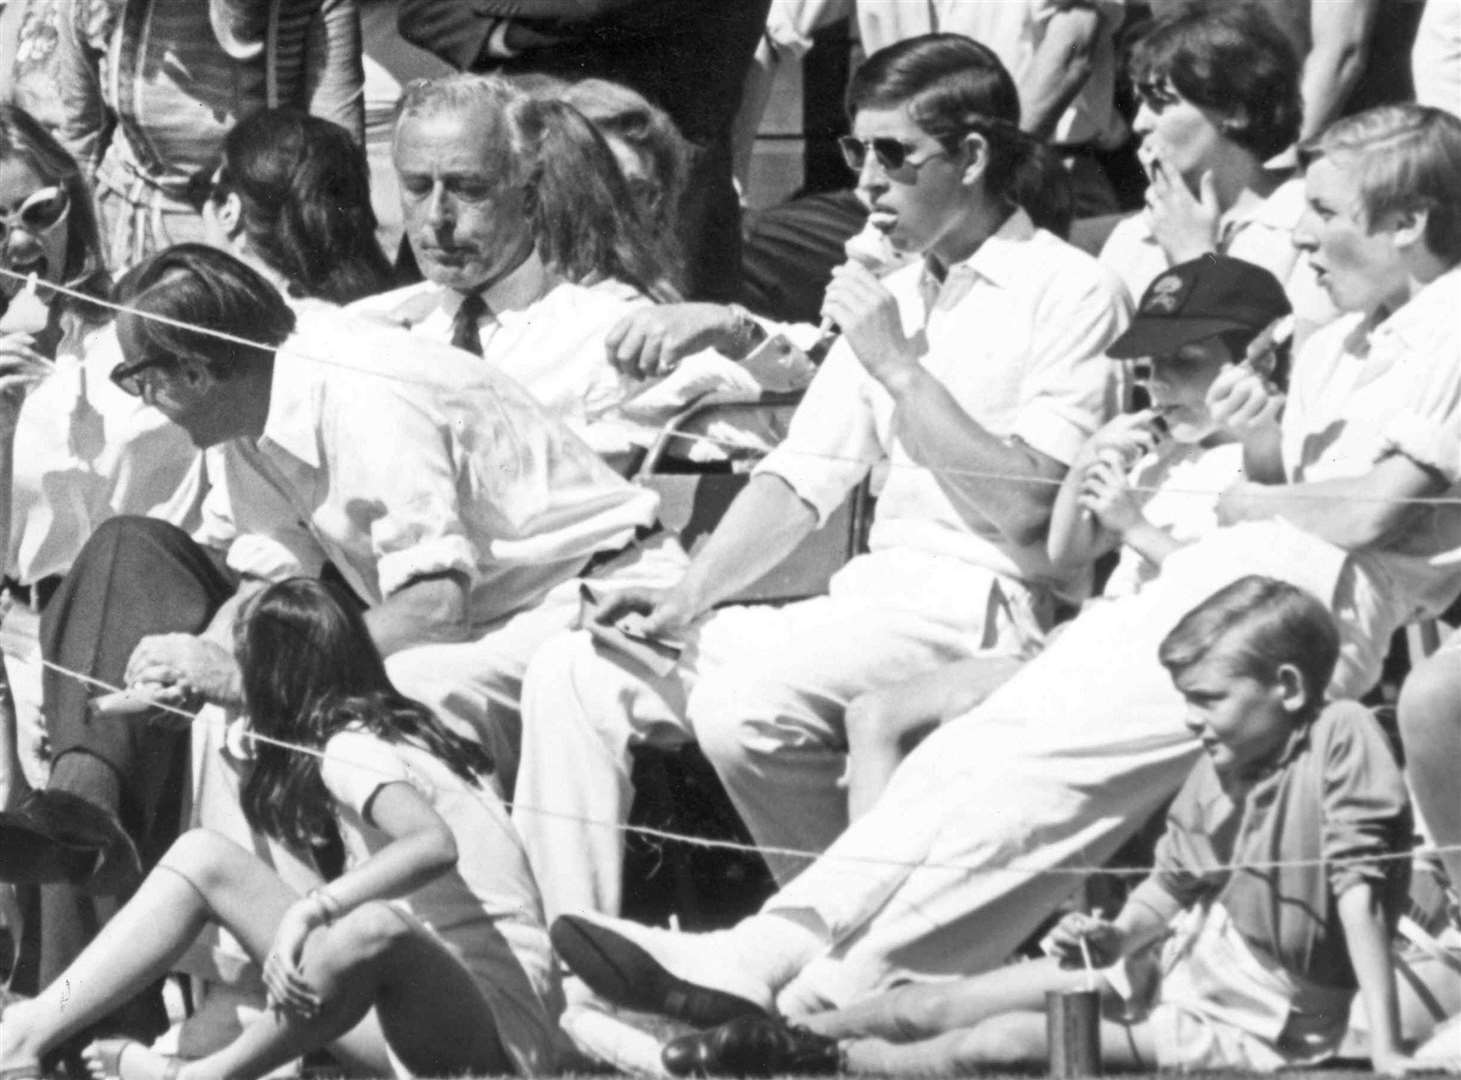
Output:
x=1231 y=58
x=1406 y=158
x=951 y=86
x=1260 y=623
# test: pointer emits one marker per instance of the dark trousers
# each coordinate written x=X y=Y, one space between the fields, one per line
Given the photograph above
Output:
x=135 y=576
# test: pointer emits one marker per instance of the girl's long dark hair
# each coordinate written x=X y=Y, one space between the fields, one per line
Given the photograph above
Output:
x=304 y=187
x=310 y=669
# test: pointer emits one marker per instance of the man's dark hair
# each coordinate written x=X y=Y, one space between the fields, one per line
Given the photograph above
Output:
x=1231 y=58
x=951 y=86
x=201 y=286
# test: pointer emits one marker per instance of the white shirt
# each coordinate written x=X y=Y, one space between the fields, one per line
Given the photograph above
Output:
x=549 y=335
x=1017 y=333
x=1359 y=393
x=1259 y=231
x=486 y=909
x=1013 y=30
x=1177 y=487
x=394 y=458
x=85 y=452
x=1435 y=58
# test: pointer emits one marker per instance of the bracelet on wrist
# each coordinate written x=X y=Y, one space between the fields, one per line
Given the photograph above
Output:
x=747 y=333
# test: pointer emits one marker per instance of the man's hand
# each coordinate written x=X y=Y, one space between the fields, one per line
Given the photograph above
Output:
x=660 y=614
x=1185 y=225
x=1244 y=402
x=651 y=342
x=188 y=670
x=868 y=314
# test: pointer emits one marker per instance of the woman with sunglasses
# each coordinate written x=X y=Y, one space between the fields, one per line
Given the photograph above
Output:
x=1218 y=87
x=435 y=925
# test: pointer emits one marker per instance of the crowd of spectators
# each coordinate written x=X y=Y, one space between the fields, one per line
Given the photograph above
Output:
x=339 y=600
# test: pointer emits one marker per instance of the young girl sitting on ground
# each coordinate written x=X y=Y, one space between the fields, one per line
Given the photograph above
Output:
x=1275 y=893
x=1146 y=482
x=436 y=925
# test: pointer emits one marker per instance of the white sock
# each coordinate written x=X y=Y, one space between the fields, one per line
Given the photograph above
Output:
x=776 y=945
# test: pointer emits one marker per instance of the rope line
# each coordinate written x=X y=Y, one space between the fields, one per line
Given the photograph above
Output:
x=709 y=843
x=730 y=444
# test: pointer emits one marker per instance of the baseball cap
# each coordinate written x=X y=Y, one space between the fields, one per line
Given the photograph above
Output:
x=1198 y=299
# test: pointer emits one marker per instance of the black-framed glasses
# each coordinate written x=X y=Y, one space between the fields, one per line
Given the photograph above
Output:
x=39 y=213
x=132 y=379
x=890 y=153
x=204 y=186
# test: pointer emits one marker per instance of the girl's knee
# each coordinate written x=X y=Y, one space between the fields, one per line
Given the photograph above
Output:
x=203 y=857
x=1430 y=698
x=366 y=934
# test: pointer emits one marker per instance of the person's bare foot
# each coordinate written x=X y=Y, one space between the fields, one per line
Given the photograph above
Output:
x=128 y=1059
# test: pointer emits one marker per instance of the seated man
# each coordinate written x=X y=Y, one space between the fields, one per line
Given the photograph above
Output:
x=983 y=360
x=434 y=486
x=532 y=256
x=987 y=824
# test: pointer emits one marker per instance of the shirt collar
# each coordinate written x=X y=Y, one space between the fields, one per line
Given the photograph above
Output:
x=1432 y=310
x=519 y=288
x=997 y=260
x=290 y=424
x=1280 y=210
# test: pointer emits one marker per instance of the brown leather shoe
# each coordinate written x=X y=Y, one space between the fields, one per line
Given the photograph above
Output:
x=55 y=836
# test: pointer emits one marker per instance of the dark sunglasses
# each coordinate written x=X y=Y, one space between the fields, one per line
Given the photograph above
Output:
x=131 y=378
x=890 y=153
x=41 y=212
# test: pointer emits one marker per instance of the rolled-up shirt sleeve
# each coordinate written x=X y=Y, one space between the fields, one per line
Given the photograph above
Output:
x=833 y=440
x=398 y=467
x=1366 y=809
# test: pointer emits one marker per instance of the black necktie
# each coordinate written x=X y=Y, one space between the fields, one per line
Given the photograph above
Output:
x=464 y=332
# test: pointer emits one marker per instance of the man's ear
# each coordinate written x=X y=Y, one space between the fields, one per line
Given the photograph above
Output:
x=230 y=213
x=1292 y=688
x=975 y=149
x=1408 y=226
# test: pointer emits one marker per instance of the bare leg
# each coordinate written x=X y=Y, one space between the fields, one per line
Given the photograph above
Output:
x=1011 y=1040
x=428 y=1006
x=924 y=1010
x=883 y=725
x=1430 y=724
x=202 y=876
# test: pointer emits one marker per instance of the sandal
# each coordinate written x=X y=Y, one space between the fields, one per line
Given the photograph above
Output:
x=104 y=1059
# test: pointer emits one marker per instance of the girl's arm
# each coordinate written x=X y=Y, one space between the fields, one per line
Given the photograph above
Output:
x=1367 y=934
x=422 y=847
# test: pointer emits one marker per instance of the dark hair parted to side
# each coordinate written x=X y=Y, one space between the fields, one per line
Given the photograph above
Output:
x=23 y=139
x=951 y=86
x=200 y=286
x=1408 y=159
x=1258 y=623
x=1231 y=58
x=304 y=188
x=310 y=670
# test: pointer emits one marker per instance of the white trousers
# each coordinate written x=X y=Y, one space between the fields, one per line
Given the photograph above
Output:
x=475 y=686
x=992 y=821
x=763 y=690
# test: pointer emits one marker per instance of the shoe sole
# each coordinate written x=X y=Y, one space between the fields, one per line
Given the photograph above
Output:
x=620 y=971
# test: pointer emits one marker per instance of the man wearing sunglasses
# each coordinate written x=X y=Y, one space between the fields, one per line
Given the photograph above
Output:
x=971 y=377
